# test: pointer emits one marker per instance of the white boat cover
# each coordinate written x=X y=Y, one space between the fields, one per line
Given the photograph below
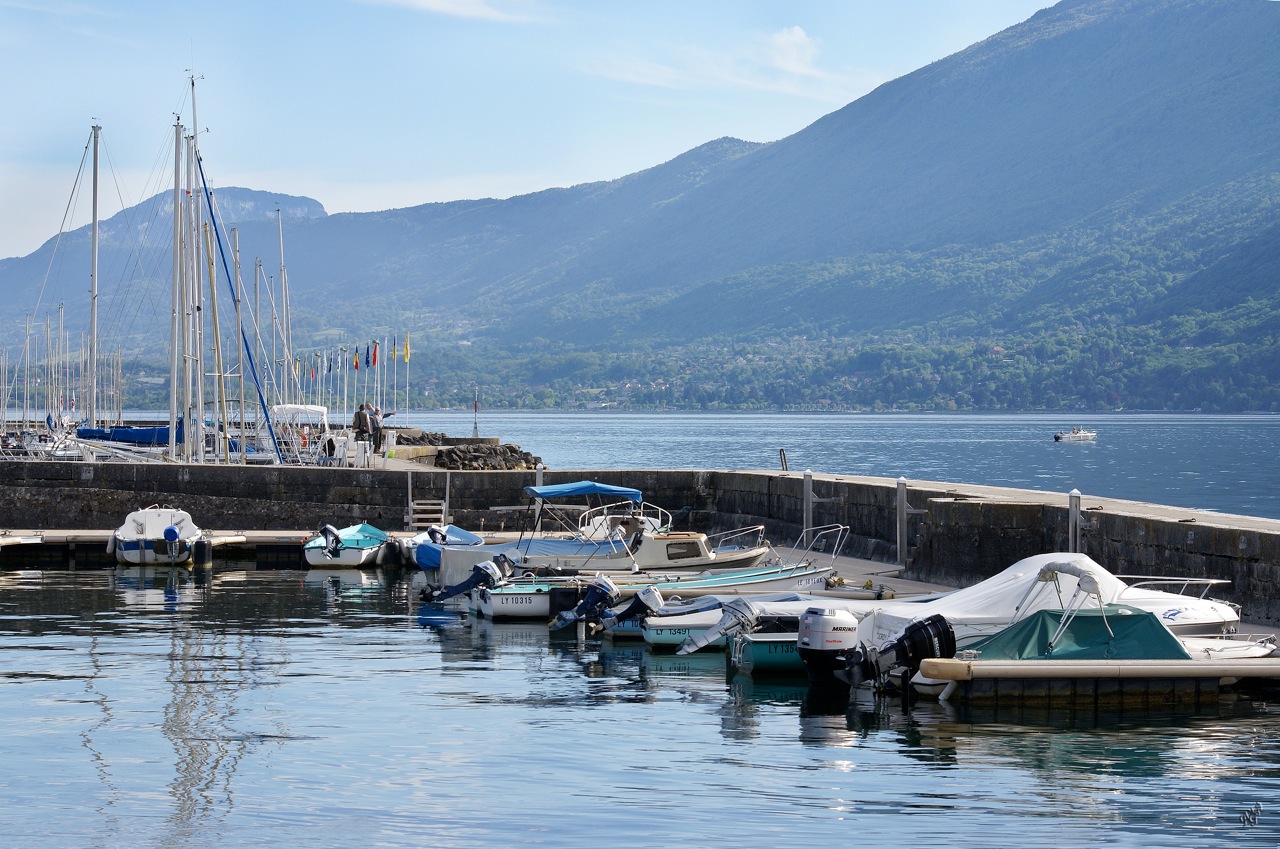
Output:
x=1041 y=582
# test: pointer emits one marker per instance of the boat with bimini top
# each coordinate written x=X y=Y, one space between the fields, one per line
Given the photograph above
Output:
x=627 y=533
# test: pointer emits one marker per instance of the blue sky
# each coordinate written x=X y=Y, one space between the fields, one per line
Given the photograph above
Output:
x=380 y=104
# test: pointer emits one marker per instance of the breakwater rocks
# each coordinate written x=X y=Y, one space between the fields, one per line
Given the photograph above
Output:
x=476 y=457
x=462 y=454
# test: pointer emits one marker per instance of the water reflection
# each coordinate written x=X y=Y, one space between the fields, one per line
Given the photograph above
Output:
x=224 y=704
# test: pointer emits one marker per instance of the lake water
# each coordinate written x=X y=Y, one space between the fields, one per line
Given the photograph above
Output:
x=1222 y=463
x=254 y=709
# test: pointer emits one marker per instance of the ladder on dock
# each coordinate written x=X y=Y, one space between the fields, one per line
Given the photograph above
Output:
x=426 y=512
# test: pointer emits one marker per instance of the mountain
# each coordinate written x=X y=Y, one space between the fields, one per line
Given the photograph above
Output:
x=1091 y=194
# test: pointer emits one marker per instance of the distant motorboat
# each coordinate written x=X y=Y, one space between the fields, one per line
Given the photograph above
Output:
x=1076 y=434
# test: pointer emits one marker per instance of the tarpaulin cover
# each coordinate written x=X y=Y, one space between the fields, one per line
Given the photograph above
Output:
x=1117 y=632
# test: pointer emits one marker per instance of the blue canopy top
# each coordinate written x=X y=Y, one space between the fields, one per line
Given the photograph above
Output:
x=562 y=490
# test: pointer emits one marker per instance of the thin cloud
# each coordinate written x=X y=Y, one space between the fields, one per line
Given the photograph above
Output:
x=471 y=9
x=783 y=62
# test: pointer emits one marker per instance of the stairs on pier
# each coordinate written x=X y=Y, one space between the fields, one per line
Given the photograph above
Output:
x=426 y=512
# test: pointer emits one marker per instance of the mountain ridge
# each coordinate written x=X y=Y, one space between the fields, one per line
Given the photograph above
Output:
x=1107 y=170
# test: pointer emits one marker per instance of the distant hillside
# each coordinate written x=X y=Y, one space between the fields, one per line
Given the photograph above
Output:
x=1096 y=188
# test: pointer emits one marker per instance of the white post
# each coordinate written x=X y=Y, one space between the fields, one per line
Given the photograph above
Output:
x=808 y=503
x=1073 y=521
x=902 y=521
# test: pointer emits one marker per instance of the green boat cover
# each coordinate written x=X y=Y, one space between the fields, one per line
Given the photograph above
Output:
x=1115 y=632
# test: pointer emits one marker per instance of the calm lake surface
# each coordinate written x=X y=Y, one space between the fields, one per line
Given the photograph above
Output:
x=255 y=708
x=1223 y=463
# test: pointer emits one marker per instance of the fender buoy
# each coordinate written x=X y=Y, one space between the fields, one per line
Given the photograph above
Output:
x=202 y=553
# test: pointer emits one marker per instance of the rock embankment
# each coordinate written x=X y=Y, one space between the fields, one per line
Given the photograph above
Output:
x=414 y=436
x=481 y=457
x=460 y=454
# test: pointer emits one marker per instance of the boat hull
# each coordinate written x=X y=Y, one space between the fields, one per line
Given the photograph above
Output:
x=153 y=552
x=761 y=654
x=346 y=558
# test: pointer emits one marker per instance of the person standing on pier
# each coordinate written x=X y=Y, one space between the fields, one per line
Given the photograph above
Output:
x=361 y=424
x=375 y=427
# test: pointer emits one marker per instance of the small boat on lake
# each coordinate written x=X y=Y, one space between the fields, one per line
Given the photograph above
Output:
x=424 y=550
x=347 y=548
x=627 y=533
x=1076 y=434
x=828 y=637
x=541 y=598
x=1110 y=655
x=160 y=535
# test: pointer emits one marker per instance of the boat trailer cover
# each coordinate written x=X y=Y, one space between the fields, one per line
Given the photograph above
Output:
x=564 y=490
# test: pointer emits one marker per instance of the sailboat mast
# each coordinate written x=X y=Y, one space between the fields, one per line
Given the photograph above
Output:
x=175 y=332
x=93 y=291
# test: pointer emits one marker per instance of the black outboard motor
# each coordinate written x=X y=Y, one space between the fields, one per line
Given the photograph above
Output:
x=644 y=602
x=601 y=593
x=486 y=574
x=332 y=542
x=928 y=637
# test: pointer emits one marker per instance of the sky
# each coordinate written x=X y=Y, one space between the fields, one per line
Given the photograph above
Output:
x=367 y=105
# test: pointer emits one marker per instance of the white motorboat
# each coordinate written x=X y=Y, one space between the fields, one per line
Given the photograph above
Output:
x=662 y=621
x=828 y=637
x=625 y=534
x=160 y=535
x=424 y=549
x=1076 y=434
x=541 y=598
x=1110 y=654
x=351 y=547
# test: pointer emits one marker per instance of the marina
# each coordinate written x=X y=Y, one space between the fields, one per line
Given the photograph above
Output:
x=333 y=704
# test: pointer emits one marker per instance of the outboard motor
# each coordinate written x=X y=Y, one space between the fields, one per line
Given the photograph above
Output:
x=826 y=636
x=644 y=602
x=332 y=542
x=173 y=544
x=601 y=593
x=738 y=615
x=486 y=574
x=929 y=637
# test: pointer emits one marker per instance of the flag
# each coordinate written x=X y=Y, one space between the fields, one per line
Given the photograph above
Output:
x=375 y=353
x=328 y=362
x=394 y=347
x=406 y=347
x=356 y=361
x=367 y=352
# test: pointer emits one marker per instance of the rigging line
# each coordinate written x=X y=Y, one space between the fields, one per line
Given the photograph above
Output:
x=244 y=339
x=123 y=308
x=66 y=215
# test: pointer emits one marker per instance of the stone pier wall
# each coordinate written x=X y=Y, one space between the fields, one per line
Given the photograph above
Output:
x=960 y=534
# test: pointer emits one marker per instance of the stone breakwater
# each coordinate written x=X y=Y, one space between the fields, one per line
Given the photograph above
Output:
x=435 y=450
x=956 y=534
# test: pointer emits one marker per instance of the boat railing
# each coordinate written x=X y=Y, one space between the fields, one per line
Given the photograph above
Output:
x=622 y=519
x=823 y=540
x=751 y=536
x=1185 y=586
